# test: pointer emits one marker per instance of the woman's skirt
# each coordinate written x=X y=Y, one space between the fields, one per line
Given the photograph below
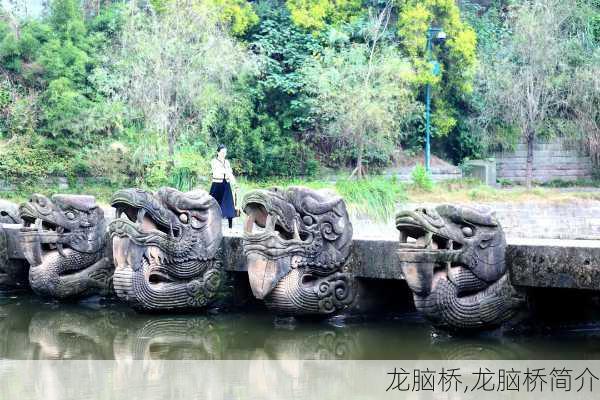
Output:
x=221 y=191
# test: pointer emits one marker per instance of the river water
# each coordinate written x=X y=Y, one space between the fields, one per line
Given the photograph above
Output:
x=31 y=328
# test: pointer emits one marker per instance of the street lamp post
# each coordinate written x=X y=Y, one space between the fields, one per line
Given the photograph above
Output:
x=437 y=36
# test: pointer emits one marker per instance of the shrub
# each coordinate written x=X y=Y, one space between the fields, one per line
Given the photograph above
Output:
x=375 y=197
x=421 y=179
x=25 y=161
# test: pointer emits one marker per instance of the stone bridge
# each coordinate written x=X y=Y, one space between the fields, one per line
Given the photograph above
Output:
x=547 y=263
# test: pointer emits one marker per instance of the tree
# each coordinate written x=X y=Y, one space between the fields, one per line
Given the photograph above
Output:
x=316 y=14
x=362 y=91
x=584 y=103
x=457 y=57
x=261 y=129
x=177 y=68
x=583 y=94
x=525 y=84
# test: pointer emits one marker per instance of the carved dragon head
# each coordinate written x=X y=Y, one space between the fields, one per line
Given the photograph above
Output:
x=164 y=248
x=297 y=231
x=9 y=213
x=452 y=258
x=447 y=239
x=61 y=236
x=73 y=221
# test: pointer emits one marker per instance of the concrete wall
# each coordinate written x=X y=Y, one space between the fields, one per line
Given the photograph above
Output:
x=552 y=160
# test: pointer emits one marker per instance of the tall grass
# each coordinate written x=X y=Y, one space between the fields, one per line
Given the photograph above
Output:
x=373 y=197
x=421 y=179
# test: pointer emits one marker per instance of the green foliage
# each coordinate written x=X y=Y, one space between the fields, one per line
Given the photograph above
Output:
x=315 y=14
x=24 y=162
x=176 y=71
x=544 y=81
x=259 y=147
x=376 y=197
x=421 y=179
x=133 y=94
x=54 y=58
x=260 y=125
x=238 y=14
x=457 y=56
x=18 y=110
x=363 y=99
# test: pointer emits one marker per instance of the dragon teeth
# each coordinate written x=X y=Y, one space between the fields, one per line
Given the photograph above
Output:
x=60 y=249
x=403 y=237
x=140 y=215
x=425 y=240
x=249 y=225
x=270 y=225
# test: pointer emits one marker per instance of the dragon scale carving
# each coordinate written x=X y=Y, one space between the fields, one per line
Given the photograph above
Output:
x=452 y=258
x=63 y=239
x=165 y=248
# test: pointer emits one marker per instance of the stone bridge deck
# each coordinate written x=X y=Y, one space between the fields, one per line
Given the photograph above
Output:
x=550 y=263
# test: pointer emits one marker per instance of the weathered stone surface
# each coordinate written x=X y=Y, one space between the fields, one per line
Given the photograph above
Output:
x=166 y=248
x=297 y=242
x=64 y=242
x=9 y=213
x=14 y=269
x=567 y=264
x=453 y=259
x=369 y=258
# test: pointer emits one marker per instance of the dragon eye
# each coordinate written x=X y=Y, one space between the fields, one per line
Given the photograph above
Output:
x=183 y=218
x=70 y=214
x=308 y=220
x=467 y=231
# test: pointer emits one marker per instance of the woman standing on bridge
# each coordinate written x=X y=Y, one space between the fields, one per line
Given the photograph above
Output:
x=222 y=179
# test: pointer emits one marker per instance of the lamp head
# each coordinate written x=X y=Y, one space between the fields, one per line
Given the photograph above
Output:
x=440 y=37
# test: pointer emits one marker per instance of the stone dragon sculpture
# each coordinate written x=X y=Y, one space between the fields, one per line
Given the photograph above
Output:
x=64 y=240
x=297 y=243
x=13 y=266
x=9 y=213
x=165 y=247
x=452 y=258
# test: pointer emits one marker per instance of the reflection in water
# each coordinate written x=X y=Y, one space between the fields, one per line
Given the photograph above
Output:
x=33 y=329
x=172 y=338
